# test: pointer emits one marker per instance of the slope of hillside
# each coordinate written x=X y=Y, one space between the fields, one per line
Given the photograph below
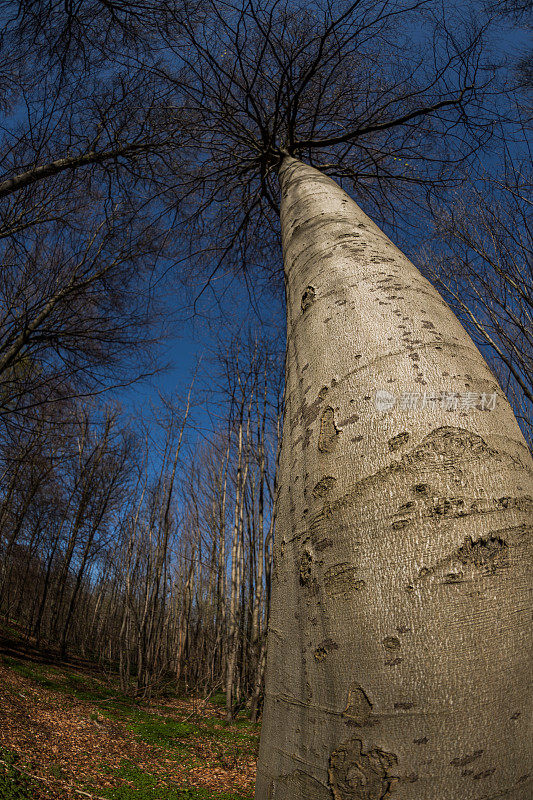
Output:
x=76 y=735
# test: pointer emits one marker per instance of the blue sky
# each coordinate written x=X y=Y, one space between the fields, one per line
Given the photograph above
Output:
x=194 y=337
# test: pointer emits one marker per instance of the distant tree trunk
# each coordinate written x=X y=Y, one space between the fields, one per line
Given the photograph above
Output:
x=88 y=471
x=236 y=572
x=83 y=565
x=36 y=627
x=257 y=600
x=220 y=621
x=17 y=527
x=398 y=642
x=33 y=546
x=255 y=702
x=184 y=617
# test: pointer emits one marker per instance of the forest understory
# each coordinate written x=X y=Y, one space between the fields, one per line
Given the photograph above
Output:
x=67 y=731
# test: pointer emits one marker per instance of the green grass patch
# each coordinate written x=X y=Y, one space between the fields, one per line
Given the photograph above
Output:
x=57 y=771
x=81 y=687
x=161 y=731
x=164 y=793
x=159 y=792
x=35 y=672
x=165 y=732
x=15 y=784
x=8 y=628
x=219 y=699
x=146 y=786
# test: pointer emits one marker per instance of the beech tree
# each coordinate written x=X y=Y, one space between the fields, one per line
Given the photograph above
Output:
x=403 y=503
x=403 y=540
x=397 y=657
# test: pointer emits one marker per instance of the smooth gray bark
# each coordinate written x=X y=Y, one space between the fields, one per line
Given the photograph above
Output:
x=398 y=654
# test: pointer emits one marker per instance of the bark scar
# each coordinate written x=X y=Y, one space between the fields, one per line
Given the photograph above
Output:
x=308 y=297
x=358 y=706
x=327 y=440
x=356 y=775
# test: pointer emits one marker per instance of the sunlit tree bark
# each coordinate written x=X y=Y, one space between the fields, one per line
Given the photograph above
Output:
x=398 y=644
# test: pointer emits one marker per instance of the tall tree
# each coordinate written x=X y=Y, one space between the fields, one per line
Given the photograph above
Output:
x=399 y=576
x=402 y=525
x=401 y=531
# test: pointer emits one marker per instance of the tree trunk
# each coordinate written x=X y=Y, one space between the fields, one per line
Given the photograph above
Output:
x=236 y=573
x=398 y=639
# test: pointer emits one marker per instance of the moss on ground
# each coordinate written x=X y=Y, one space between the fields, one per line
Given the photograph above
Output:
x=15 y=784
x=144 y=785
x=164 y=742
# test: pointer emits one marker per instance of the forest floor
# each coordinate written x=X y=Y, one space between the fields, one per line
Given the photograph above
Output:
x=67 y=732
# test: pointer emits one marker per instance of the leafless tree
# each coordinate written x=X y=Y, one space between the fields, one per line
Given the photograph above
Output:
x=482 y=264
x=84 y=157
x=128 y=125
x=342 y=86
